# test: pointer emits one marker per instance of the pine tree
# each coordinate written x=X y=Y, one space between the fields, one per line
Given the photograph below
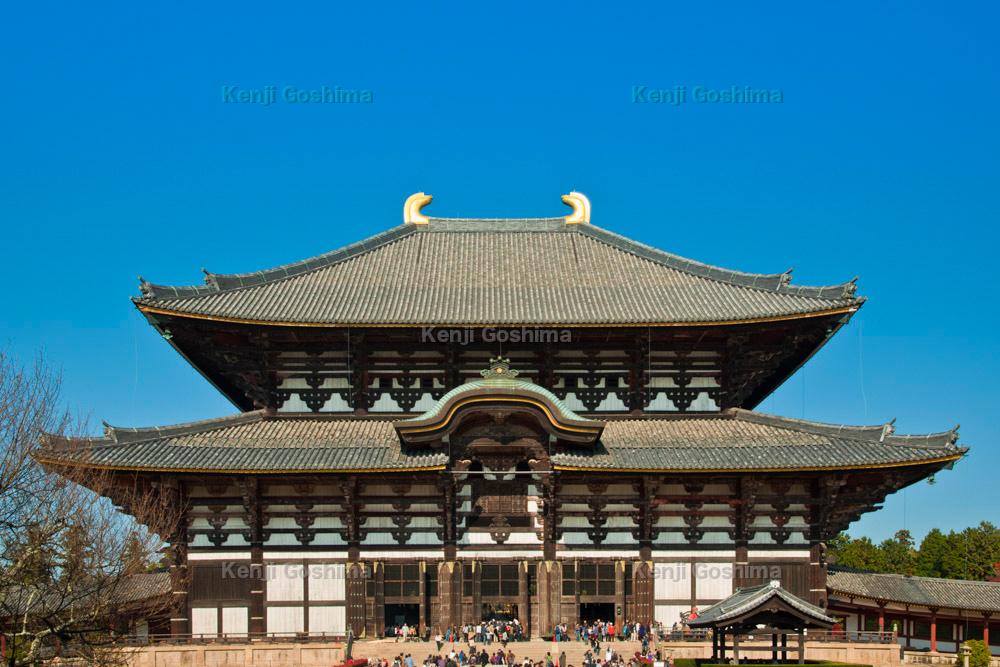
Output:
x=930 y=555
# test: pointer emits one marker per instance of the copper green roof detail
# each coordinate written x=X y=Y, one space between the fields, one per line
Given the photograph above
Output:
x=500 y=386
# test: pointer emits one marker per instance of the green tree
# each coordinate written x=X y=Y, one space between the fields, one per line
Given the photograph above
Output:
x=980 y=656
x=860 y=554
x=898 y=553
x=930 y=555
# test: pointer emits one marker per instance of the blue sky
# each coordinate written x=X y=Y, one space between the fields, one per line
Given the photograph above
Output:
x=120 y=155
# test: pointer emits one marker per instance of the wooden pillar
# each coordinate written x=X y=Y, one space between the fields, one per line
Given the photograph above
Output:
x=722 y=644
x=817 y=574
x=549 y=574
x=774 y=644
x=881 y=617
x=449 y=595
x=258 y=591
x=802 y=648
x=550 y=519
x=180 y=624
x=620 y=594
x=736 y=646
x=784 y=646
x=986 y=630
x=933 y=630
x=355 y=591
x=378 y=572
x=422 y=569
x=523 y=598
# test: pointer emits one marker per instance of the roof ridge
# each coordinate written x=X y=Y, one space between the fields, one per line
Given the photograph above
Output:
x=910 y=577
x=126 y=435
x=223 y=282
x=770 y=282
x=433 y=219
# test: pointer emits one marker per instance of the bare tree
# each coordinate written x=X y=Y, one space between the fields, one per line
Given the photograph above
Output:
x=68 y=556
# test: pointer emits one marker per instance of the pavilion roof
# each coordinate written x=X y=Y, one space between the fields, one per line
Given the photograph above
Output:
x=925 y=591
x=494 y=272
x=736 y=440
x=747 y=601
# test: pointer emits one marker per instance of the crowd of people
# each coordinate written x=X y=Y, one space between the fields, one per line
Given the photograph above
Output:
x=496 y=631
x=606 y=658
x=601 y=631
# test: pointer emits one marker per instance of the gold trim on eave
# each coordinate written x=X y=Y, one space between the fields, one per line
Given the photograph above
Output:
x=873 y=466
x=489 y=399
x=228 y=471
x=465 y=325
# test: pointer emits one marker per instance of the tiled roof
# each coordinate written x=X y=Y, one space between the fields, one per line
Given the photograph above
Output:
x=735 y=440
x=495 y=273
x=251 y=442
x=926 y=591
x=746 y=600
x=744 y=440
x=145 y=586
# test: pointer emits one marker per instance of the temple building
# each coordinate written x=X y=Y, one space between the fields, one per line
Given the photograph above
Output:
x=461 y=419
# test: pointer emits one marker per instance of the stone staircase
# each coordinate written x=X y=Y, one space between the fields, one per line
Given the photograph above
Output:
x=534 y=649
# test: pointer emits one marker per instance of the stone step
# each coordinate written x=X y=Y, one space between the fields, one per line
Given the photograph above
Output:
x=535 y=649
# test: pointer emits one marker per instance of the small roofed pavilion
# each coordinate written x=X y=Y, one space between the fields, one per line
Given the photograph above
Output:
x=761 y=611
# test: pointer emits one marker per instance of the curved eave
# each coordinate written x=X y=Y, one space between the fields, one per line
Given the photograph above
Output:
x=872 y=466
x=147 y=309
x=59 y=462
x=583 y=430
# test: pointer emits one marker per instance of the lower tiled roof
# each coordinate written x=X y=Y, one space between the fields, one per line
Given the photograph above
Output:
x=736 y=440
x=744 y=440
x=925 y=591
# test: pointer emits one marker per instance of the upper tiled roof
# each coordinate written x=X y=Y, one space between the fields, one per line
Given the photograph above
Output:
x=737 y=440
x=926 y=591
x=746 y=600
x=495 y=273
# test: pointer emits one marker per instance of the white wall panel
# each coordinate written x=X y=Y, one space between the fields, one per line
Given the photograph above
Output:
x=205 y=621
x=235 y=620
x=284 y=582
x=326 y=581
x=668 y=614
x=713 y=581
x=672 y=581
x=285 y=620
x=329 y=620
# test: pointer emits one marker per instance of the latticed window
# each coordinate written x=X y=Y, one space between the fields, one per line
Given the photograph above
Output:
x=499 y=580
x=402 y=580
x=569 y=579
x=432 y=581
x=467 y=578
x=596 y=579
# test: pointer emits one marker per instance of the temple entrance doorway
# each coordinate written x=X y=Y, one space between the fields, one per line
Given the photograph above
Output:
x=397 y=615
x=499 y=611
x=591 y=612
